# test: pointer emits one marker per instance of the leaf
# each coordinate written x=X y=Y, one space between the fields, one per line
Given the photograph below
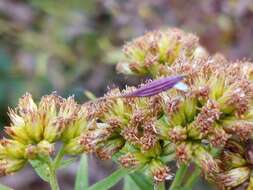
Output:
x=67 y=162
x=82 y=177
x=41 y=169
x=129 y=184
x=110 y=181
x=141 y=181
x=3 y=187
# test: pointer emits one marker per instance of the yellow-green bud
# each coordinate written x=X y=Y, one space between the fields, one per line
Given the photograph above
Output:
x=31 y=152
x=234 y=177
x=74 y=146
x=8 y=166
x=14 y=149
x=45 y=148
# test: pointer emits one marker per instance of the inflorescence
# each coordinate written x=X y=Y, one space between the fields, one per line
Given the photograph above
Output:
x=210 y=123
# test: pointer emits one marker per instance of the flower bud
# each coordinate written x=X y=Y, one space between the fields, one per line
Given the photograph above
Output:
x=31 y=152
x=159 y=171
x=54 y=129
x=133 y=160
x=234 y=177
x=45 y=148
x=175 y=111
x=13 y=149
x=105 y=150
x=26 y=105
x=184 y=152
x=8 y=166
x=177 y=134
x=18 y=133
x=249 y=151
x=74 y=146
x=76 y=125
x=206 y=161
x=232 y=160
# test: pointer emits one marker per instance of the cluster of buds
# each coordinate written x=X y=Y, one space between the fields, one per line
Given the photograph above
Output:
x=35 y=129
x=216 y=107
x=156 y=50
x=236 y=161
x=147 y=127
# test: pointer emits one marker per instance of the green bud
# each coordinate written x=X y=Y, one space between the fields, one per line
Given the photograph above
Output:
x=13 y=149
x=76 y=126
x=74 y=146
x=19 y=134
x=133 y=160
x=54 y=129
x=177 y=134
x=190 y=108
x=205 y=160
x=232 y=160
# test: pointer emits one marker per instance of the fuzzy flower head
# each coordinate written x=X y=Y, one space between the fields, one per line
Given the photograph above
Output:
x=35 y=128
x=154 y=52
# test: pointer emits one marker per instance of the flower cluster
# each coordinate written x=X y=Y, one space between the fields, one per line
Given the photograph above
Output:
x=209 y=122
x=34 y=130
x=156 y=50
x=186 y=126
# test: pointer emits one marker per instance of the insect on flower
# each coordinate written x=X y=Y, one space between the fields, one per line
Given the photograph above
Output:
x=156 y=87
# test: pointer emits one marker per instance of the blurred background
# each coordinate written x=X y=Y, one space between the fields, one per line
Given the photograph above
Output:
x=73 y=46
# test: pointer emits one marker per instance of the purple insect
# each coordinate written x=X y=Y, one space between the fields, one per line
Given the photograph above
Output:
x=155 y=87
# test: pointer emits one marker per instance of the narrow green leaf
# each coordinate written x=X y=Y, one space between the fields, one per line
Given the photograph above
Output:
x=3 y=187
x=129 y=184
x=67 y=162
x=82 y=177
x=110 y=181
x=141 y=181
x=41 y=169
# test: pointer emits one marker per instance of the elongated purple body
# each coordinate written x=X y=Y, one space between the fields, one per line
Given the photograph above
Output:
x=155 y=87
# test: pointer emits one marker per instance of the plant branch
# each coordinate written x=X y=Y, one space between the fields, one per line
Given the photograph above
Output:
x=58 y=157
x=160 y=186
x=53 y=179
x=193 y=178
x=179 y=177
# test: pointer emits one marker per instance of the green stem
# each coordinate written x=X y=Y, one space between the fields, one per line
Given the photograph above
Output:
x=179 y=177
x=53 y=165
x=160 y=186
x=58 y=157
x=193 y=178
x=52 y=179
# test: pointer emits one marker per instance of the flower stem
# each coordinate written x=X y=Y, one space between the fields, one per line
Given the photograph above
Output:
x=193 y=178
x=58 y=157
x=53 y=165
x=53 y=179
x=160 y=186
x=179 y=177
